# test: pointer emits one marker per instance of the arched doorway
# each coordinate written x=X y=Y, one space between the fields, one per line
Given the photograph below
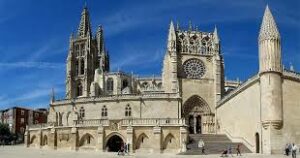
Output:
x=114 y=143
x=198 y=114
x=257 y=142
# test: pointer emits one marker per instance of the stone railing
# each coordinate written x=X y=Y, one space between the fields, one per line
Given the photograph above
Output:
x=121 y=122
x=153 y=122
x=117 y=97
x=291 y=74
x=91 y=122
x=42 y=125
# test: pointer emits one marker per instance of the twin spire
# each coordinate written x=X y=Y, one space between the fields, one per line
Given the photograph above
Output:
x=84 y=28
x=268 y=29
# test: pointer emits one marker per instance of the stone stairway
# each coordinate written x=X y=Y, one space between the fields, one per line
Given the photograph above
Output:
x=214 y=144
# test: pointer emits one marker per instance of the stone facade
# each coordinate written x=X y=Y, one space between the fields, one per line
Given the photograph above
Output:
x=104 y=109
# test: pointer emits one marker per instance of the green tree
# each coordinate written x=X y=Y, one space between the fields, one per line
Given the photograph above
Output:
x=4 y=130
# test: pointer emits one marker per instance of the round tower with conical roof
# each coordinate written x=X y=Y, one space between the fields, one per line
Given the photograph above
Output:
x=270 y=72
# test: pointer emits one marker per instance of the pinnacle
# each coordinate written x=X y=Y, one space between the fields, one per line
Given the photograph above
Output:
x=216 y=37
x=84 y=25
x=268 y=29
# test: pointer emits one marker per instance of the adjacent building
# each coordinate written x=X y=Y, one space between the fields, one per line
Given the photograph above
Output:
x=18 y=118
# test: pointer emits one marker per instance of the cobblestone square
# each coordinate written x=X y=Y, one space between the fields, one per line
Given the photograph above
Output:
x=20 y=151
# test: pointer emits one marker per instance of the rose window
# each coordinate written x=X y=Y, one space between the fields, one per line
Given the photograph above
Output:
x=194 y=68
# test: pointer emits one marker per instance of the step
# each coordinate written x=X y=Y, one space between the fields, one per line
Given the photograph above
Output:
x=214 y=144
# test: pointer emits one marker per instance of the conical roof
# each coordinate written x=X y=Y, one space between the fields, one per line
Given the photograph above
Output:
x=268 y=29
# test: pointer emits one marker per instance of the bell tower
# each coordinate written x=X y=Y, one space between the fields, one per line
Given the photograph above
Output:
x=270 y=72
x=86 y=54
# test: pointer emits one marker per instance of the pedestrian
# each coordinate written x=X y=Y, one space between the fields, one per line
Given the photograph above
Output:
x=287 y=149
x=201 y=146
x=294 y=150
x=238 y=150
x=125 y=149
x=224 y=153
x=230 y=150
x=121 y=150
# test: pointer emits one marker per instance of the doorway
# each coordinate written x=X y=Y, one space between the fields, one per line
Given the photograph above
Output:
x=195 y=124
x=114 y=143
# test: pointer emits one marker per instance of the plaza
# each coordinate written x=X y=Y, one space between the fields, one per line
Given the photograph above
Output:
x=21 y=151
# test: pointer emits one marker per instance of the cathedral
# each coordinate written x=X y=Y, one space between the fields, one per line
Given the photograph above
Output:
x=103 y=109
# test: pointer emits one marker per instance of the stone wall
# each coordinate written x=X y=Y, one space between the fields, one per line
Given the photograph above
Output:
x=239 y=116
x=141 y=139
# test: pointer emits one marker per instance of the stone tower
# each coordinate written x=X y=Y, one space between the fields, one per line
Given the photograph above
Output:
x=170 y=79
x=86 y=54
x=270 y=72
x=193 y=68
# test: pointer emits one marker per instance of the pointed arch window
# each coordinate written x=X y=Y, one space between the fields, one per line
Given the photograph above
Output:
x=82 y=67
x=82 y=112
x=76 y=67
x=79 y=90
x=127 y=110
x=124 y=84
x=104 y=111
x=110 y=85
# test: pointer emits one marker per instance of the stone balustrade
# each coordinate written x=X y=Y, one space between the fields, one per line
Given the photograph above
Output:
x=91 y=122
x=123 y=122
x=118 y=97
x=153 y=122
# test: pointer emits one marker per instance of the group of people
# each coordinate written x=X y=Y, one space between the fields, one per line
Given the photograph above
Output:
x=225 y=152
x=291 y=148
x=228 y=151
x=124 y=149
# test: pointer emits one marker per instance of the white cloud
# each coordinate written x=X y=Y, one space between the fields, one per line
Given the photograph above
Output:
x=38 y=65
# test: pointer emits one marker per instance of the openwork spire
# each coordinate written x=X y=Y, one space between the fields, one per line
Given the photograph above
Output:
x=268 y=29
x=84 y=28
x=171 y=37
x=216 y=36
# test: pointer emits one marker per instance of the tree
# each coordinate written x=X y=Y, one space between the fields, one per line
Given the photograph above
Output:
x=4 y=129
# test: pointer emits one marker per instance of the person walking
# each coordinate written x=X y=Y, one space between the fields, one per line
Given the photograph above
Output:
x=230 y=150
x=294 y=150
x=287 y=149
x=238 y=150
x=201 y=146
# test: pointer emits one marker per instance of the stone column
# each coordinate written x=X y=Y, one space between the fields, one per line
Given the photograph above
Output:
x=157 y=139
x=129 y=140
x=39 y=138
x=100 y=141
x=183 y=139
x=74 y=139
x=195 y=124
x=27 y=138
x=52 y=139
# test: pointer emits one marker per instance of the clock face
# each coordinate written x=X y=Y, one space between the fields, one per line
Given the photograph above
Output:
x=194 y=68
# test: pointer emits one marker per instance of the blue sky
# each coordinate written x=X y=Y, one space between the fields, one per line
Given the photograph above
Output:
x=35 y=33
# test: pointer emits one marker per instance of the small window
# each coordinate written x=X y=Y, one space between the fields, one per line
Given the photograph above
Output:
x=22 y=112
x=36 y=114
x=124 y=84
x=88 y=140
x=77 y=67
x=110 y=85
x=128 y=110
x=81 y=112
x=79 y=90
x=104 y=111
x=22 y=121
x=82 y=67
x=22 y=130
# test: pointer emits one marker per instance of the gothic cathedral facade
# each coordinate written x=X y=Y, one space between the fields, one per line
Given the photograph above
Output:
x=103 y=110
